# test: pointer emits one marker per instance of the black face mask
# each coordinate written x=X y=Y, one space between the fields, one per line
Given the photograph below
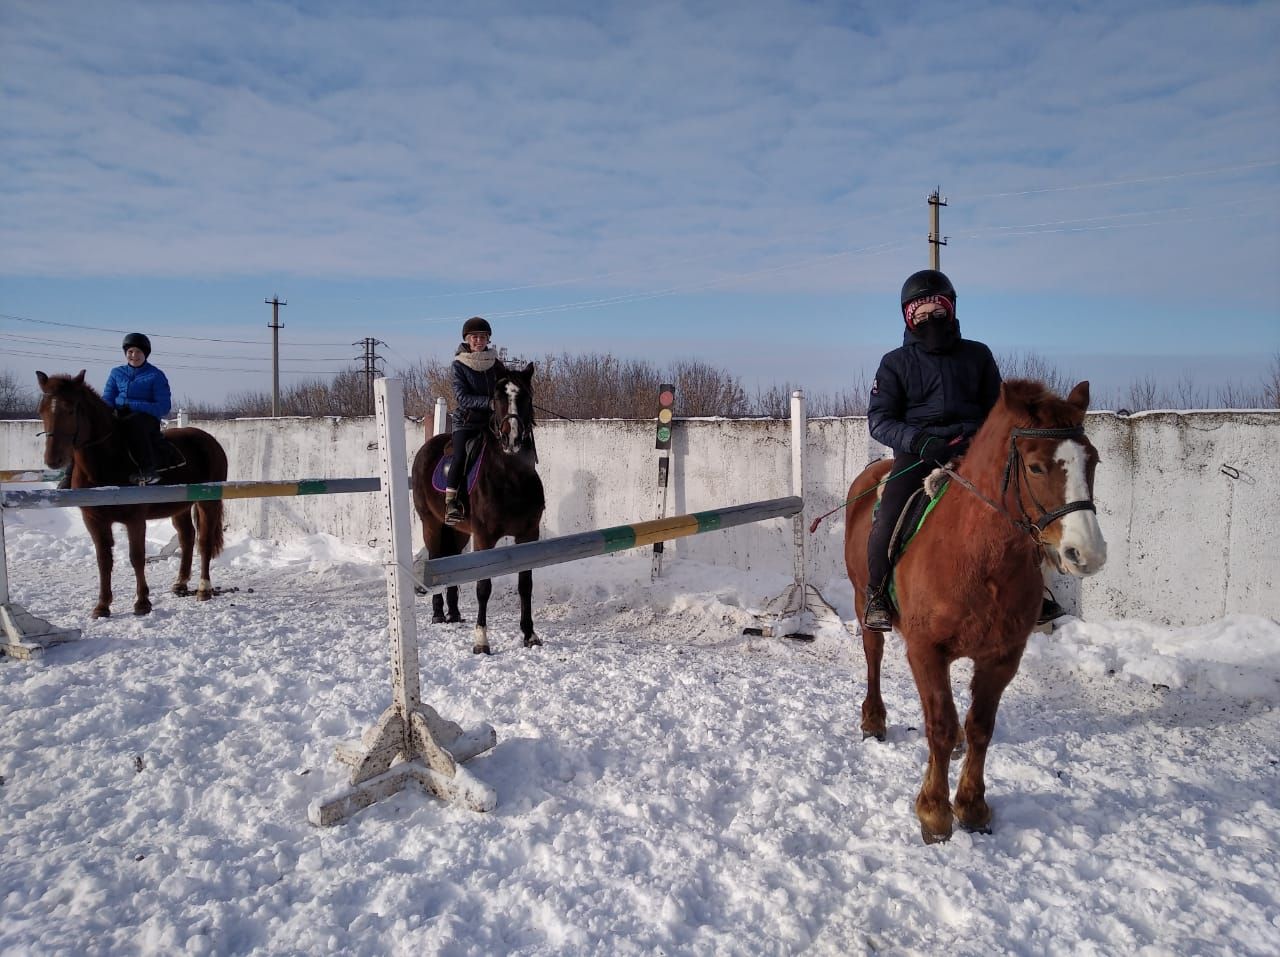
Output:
x=938 y=335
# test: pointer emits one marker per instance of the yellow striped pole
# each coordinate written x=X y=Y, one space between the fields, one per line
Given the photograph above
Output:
x=491 y=563
x=208 y=491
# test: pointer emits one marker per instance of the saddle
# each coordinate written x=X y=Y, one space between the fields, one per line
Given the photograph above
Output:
x=474 y=452
x=912 y=519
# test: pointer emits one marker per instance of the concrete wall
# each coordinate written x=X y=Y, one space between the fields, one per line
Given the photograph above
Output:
x=1187 y=500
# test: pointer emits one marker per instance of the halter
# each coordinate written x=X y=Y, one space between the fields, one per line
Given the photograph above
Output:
x=76 y=444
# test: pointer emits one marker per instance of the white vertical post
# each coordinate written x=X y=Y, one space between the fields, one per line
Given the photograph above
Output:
x=411 y=741
x=389 y=406
x=23 y=635
x=182 y=418
x=799 y=434
x=441 y=422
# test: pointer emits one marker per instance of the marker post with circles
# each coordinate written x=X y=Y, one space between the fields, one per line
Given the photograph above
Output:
x=666 y=404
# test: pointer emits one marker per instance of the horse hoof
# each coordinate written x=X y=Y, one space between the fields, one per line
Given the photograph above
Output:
x=480 y=650
x=101 y=612
x=180 y=588
x=931 y=838
x=437 y=619
x=142 y=608
x=454 y=618
x=531 y=640
x=878 y=735
x=976 y=828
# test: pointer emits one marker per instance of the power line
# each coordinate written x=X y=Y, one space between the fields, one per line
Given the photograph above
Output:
x=199 y=368
x=157 y=335
x=188 y=355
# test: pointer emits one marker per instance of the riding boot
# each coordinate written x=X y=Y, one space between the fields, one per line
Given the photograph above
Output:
x=878 y=615
x=453 y=510
x=1049 y=609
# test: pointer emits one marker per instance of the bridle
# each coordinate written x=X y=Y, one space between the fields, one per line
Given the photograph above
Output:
x=1015 y=468
x=518 y=434
x=74 y=434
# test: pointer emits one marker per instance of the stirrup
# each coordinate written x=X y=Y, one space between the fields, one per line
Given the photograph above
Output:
x=878 y=616
x=1049 y=609
x=454 y=512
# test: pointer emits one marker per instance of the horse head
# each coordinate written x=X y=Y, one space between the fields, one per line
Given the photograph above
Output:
x=513 y=419
x=1049 y=473
x=72 y=415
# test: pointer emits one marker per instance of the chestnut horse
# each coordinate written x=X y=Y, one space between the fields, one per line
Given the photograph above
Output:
x=81 y=432
x=969 y=584
x=507 y=499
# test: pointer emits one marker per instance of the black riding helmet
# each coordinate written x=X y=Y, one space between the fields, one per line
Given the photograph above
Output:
x=476 y=324
x=140 y=341
x=927 y=282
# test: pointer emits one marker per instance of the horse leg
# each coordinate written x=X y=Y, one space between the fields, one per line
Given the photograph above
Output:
x=942 y=728
x=103 y=544
x=186 y=530
x=873 y=713
x=990 y=678
x=484 y=588
x=137 y=529
x=442 y=542
x=525 y=587
x=209 y=520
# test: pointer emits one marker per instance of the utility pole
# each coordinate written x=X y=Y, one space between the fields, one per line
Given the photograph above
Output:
x=370 y=358
x=275 y=327
x=936 y=239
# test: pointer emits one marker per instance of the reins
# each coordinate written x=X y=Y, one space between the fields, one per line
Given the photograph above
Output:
x=1032 y=527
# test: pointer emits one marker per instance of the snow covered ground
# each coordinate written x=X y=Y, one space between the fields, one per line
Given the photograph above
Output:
x=665 y=785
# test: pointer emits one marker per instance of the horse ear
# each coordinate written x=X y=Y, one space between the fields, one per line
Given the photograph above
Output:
x=528 y=371
x=79 y=380
x=41 y=378
x=1079 y=396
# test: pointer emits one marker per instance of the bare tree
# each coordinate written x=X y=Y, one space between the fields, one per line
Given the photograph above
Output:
x=1032 y=365
x=16 y=400
x=702 y=389
x=1144 y=394
x=1271 y=384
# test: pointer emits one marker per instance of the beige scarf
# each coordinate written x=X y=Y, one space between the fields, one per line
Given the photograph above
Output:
x=481 y=361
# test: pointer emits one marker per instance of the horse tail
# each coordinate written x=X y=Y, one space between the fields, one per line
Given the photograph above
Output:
x=209 y=518
x=209 y=514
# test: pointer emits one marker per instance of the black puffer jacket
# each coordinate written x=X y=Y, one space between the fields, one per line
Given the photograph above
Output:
x=937 y=393
x=473 y=387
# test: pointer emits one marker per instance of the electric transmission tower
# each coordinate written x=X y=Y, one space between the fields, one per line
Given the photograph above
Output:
x=370 y=358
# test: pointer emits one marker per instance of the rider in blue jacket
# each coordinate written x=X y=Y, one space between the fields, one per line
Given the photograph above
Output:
x=474 y=374
x=139 y=394
x=929 y=398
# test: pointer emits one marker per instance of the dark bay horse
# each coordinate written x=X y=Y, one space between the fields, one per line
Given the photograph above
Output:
x=507 y=499
x=969 y=584
x=81 y=432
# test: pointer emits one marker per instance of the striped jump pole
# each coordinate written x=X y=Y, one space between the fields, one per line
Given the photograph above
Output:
x=32 y=475
x=24 y=635
x=204 y=492
x=493 y=562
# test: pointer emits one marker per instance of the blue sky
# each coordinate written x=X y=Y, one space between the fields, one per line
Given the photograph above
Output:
x=743 y=183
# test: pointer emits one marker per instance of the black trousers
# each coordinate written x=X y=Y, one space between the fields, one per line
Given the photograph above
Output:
x=457 y=475
x=894 y=498
x=143 y=430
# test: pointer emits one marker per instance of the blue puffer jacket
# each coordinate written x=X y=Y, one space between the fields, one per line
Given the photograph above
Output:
x=144 y=389
x=472 y=389
x=942 y=393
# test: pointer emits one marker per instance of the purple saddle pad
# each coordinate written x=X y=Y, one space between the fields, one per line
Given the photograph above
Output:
x=439 y=476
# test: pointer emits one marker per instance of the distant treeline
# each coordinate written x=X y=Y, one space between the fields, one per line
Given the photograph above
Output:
x=601 y=386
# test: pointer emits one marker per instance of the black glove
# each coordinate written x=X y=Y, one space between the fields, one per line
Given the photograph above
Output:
x=122 y=411
x=932 y=449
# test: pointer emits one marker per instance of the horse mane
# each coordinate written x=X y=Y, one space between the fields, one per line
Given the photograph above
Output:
x=1023 y=404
